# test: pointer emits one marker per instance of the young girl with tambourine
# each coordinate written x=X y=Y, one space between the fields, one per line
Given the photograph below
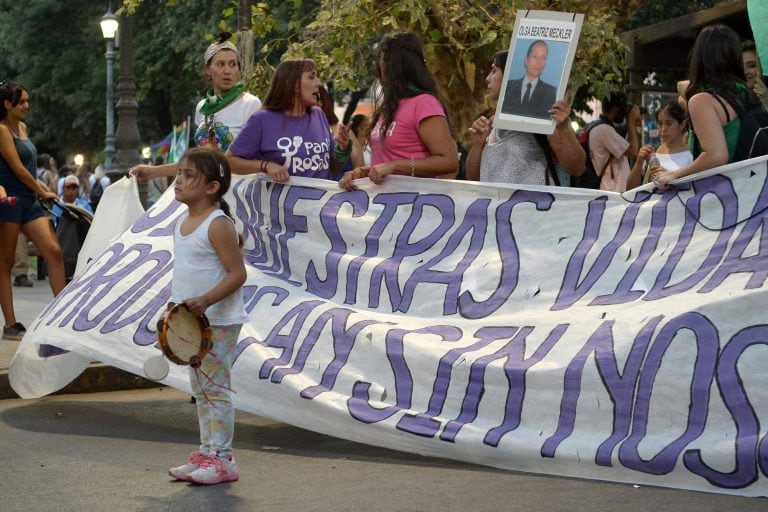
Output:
x=208 y=275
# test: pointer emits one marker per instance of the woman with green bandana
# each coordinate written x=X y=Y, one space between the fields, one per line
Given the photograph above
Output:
x=221 y=115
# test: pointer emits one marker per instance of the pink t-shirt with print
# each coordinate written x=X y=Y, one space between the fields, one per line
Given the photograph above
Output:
x=402 y=140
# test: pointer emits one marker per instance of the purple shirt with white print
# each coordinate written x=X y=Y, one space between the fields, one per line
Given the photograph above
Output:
x=302 y=144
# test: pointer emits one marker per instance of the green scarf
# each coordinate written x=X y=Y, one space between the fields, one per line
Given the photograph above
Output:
x=215 y=102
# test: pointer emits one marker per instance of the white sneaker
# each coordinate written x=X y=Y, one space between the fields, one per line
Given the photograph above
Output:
x=182 y=472
x=214 y=470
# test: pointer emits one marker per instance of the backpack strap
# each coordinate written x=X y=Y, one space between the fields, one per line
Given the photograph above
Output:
x=722 y=104
x=696 y=145
x=543 y=142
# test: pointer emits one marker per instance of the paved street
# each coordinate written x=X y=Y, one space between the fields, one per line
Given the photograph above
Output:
x=27 y=303
x=111 y=451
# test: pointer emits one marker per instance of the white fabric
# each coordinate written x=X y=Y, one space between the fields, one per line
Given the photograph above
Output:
x=674 y=161
x=542 y=329
x=120 y=207
x=198 y=269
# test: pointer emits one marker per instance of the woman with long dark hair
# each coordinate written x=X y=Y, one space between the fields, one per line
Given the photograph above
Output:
x=410 y=133
x=717 y=88
x=290 y=135
x=18 y=176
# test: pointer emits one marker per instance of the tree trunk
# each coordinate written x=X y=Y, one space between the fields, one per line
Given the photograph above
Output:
x=245 y=37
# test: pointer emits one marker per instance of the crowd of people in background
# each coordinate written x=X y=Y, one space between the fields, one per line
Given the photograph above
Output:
x=296 y=133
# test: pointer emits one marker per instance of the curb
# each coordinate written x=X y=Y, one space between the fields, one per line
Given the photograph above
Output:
x=95 y=378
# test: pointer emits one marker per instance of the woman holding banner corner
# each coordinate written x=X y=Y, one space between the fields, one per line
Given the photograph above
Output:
x=717 y=91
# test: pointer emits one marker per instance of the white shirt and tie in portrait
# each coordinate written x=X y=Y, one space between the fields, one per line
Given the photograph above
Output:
x=530 y=96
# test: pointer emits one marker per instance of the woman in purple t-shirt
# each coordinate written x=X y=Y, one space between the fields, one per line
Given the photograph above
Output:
x=290 y=136
x=409 y=132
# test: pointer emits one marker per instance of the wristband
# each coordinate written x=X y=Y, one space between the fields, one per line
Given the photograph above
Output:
x=342 y=155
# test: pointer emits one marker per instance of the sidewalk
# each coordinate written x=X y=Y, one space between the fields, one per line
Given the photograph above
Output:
x=28 y=303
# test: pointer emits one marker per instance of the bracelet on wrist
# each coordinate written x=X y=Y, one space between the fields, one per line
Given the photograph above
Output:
x=413 y=167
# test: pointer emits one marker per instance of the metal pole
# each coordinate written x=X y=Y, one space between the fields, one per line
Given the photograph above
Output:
x=109 y=150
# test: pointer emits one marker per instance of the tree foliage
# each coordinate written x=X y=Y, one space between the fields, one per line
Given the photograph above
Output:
x=662 y=10
x=169 y=45
x=56 y=50
x=48 y=48
x=459 y=38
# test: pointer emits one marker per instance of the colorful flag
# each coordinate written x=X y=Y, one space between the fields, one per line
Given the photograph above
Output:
x=161 y=148
x=179 y=142
x=174 y=144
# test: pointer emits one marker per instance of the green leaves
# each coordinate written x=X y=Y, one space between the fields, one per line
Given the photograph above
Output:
x=459 y=39
x=65 y=69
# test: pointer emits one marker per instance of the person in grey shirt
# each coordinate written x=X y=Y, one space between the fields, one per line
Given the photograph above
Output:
x=507 y=156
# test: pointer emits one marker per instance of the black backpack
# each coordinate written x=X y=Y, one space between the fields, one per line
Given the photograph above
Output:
x=96 y=192
x=590 y=178
x=753 y=131
x=753 y=134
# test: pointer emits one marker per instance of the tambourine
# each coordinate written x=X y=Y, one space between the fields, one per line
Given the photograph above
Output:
x=183 y=337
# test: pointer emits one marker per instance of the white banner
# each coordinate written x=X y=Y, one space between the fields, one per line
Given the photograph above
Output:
x=547 y=330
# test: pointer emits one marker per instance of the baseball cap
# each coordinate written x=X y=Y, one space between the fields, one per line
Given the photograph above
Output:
x=71 y=180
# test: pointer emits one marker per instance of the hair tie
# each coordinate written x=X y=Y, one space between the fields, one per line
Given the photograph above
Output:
x=221 y=170
x=222 y=44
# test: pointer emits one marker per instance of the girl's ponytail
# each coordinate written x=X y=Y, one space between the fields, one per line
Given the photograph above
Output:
x=224 y=205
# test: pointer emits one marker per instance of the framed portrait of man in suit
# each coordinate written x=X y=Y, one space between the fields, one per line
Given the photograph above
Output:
x=536 y=75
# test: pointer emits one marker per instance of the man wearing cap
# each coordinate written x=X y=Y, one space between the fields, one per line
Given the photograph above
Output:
x=70 y=195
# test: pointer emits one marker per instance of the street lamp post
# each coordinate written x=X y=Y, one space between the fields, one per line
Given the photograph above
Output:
x=127 y=135
x=109 y=26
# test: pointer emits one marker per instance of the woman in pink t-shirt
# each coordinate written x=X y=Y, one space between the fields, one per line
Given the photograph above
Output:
x=409 y=132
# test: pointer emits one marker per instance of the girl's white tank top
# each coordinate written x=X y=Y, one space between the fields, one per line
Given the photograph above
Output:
x=197 y=269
